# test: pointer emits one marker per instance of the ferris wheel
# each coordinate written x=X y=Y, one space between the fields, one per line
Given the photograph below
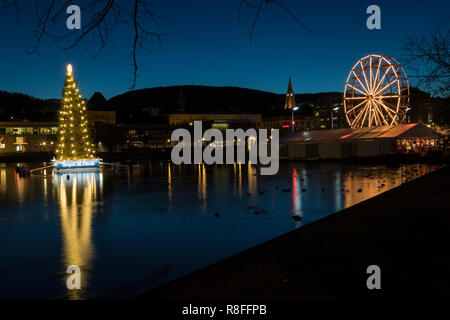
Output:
x=376 y=92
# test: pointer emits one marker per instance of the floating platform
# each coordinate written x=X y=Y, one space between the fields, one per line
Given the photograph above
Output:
x=77 y=165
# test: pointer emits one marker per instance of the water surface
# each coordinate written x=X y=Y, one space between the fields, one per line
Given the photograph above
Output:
x=131 y=231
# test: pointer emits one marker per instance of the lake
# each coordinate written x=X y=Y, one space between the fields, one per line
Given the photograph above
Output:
x=134 y=230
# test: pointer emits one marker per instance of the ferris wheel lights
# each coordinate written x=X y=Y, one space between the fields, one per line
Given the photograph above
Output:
x=376 y=92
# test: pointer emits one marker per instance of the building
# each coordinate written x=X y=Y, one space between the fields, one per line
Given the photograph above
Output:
x=283 y=123
x=40 y=136
x=101 y=116
x=290 y=97
x=329 y=116
x=147 y=135
x=426 y=109
x=361 y=142
x=220 y=121
x=26 y=136
x=98 y=110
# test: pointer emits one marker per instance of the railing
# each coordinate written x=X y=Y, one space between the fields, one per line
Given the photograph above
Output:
x=43 y=168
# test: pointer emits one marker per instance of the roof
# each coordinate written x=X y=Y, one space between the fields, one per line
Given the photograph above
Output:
x=8 y=124
x=410 y=130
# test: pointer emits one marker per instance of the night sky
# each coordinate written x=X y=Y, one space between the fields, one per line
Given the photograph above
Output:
x=205 y=44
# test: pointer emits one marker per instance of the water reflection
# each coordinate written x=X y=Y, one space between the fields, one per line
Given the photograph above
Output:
x=146 y=219
x=76 y=194
x=3 y=180
x=238 y=178
x=314 y=190
x=169 y=185
x=202 y=187
x=295 y=193
x=252 y=182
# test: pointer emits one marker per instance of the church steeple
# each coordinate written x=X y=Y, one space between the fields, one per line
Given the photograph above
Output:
x=290 y=96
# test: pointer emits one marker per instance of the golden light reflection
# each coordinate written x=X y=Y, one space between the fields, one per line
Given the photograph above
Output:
x=240 y=180
x=251 y=180
x=21 y=186
x=199 y=182
x=169 y=184
x=76 y=194
x=234 y=178
x=295 y=192
x=3 y=180
x=359 y=186
x=202 y=186
x=45 y=189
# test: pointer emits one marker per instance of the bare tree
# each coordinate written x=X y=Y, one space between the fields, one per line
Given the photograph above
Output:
x=428 y=55
x=103 y=16
x=260 y=5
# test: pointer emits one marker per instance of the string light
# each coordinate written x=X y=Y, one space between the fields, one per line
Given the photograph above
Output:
x=81 y=147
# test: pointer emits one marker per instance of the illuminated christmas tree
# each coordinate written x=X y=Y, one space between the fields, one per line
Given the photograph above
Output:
x=74 y=140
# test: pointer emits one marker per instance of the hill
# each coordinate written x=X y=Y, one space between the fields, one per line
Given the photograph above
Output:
x=199 y=99
x=22 y=106
x=143 y=105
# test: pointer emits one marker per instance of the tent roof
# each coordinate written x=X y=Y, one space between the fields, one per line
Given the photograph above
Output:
x=410 y=130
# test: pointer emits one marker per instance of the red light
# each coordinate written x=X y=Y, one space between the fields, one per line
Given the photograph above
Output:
x=20 y=143
x=286 y=126
x=293 y=122
x=346 y=136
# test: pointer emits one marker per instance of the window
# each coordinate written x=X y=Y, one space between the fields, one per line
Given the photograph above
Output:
x=2 y=146
x=19 y=130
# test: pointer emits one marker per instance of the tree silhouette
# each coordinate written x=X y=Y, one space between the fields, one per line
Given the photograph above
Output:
x=104 y=16
x=428 y=55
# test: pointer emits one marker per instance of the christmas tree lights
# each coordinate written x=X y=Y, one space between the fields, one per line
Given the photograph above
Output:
x=74 y=140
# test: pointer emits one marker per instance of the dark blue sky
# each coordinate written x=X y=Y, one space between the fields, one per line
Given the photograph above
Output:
x=205 y=44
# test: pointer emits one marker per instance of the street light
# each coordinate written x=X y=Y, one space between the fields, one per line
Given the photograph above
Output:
x=293 y=122
x=409 y=117
x=334 y=109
